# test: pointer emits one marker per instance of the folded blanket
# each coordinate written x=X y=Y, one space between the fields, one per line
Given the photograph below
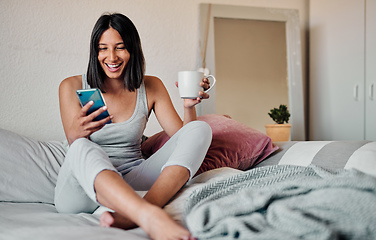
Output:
x=285 y=202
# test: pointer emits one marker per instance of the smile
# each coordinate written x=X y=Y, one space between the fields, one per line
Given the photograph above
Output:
x=113 y=67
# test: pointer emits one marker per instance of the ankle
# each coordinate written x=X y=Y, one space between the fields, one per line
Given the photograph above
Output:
x=145 y=213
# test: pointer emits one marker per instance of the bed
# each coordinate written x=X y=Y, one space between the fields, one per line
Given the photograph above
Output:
x=247 y=188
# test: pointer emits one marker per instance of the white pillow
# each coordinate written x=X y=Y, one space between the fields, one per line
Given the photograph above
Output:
x=360 y=155
x=28 y=168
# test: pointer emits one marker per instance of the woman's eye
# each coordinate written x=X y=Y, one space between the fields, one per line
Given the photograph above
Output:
x=102 y=49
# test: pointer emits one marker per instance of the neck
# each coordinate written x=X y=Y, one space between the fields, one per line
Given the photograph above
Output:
x=114 y=85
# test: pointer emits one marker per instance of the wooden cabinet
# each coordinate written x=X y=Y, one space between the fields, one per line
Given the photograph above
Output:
x=342 y=101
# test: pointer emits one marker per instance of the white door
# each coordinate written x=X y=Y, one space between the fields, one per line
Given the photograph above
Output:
x=336 y=70
x=370 y=70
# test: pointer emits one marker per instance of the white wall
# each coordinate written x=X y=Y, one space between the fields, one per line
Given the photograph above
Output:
x=44 y=41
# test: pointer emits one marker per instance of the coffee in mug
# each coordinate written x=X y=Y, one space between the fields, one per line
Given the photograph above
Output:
x=189 y=84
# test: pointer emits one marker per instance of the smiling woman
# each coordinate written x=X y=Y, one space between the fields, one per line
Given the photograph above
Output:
x=104 y=163
x=113 y=56
x=108 y=43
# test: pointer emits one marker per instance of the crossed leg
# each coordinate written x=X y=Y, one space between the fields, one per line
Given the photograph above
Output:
x=186 y=148
x=131 y=210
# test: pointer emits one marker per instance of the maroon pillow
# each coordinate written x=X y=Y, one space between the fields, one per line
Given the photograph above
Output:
x=234 y=144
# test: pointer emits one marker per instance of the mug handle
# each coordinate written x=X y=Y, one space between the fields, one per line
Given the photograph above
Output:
x=211 y=85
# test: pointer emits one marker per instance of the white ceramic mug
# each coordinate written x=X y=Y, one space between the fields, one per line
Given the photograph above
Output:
x=189 y=84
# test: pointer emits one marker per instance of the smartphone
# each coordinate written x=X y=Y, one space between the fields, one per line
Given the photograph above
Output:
x=95 y=95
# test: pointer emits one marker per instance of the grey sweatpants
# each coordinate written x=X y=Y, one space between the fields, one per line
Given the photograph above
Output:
x=74 y=192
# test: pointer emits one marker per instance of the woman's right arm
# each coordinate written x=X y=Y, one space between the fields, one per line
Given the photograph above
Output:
x=75 y=122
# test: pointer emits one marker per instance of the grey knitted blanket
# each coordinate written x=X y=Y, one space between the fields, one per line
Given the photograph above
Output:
x=285 y=202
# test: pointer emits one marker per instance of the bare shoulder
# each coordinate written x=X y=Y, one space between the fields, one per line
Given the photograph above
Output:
x=68 y=87
x=154 y=86
x=152 y=82
x=71 y=83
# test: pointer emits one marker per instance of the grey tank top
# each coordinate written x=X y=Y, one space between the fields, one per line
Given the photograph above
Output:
x=122 y=141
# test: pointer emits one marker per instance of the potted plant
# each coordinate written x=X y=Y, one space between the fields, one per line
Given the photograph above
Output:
x=281 y=130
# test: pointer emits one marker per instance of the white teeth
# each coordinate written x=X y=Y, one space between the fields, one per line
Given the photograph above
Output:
x=113 y=65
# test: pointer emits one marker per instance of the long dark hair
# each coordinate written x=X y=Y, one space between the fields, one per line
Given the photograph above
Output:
x=135 y=69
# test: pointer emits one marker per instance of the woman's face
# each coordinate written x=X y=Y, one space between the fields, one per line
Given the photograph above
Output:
x=112 y=56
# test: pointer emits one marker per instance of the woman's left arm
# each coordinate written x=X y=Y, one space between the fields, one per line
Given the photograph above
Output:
x=160 y=102
x=189 y=104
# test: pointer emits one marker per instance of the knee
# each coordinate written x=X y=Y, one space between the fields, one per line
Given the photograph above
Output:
x=74 y=149
x=79 y=143
x=78 y=147
x=205 y=128
x=200 y=128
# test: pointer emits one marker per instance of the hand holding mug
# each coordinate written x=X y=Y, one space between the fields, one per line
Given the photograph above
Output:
x=194 y=85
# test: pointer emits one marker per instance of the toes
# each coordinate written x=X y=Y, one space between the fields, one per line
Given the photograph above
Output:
x=106 y=219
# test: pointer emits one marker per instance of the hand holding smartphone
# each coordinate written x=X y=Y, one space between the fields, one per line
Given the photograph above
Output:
x=95 y=95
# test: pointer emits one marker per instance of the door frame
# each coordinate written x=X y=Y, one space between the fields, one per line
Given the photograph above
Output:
x=294 y=59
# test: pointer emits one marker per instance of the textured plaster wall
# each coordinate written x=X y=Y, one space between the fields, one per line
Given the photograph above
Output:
x=44 y=41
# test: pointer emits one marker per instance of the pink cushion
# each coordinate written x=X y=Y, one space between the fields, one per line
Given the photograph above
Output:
x=234 y=144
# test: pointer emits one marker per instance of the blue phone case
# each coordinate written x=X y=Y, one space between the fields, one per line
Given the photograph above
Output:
x=93 y=94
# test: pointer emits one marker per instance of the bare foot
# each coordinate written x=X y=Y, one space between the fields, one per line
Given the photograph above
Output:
x=113 y=219
x=159 y=225
x=154 y=221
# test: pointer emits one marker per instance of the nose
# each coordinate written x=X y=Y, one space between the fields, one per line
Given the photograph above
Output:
x=112 y=55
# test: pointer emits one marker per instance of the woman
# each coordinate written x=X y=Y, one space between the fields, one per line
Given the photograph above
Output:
x=103 y=165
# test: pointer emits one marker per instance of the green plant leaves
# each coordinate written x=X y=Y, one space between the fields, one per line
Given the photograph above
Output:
x=280 y=115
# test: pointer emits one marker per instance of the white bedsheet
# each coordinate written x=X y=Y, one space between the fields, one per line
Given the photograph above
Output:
x=42 y=222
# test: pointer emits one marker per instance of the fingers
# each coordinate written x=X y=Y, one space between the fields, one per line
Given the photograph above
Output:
x=83 y=125
x=105 y=120
x=188 y=103
x=96 y=113
x=205 y=83
x=86 y=108
x=204 y=95
x=92 y=125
